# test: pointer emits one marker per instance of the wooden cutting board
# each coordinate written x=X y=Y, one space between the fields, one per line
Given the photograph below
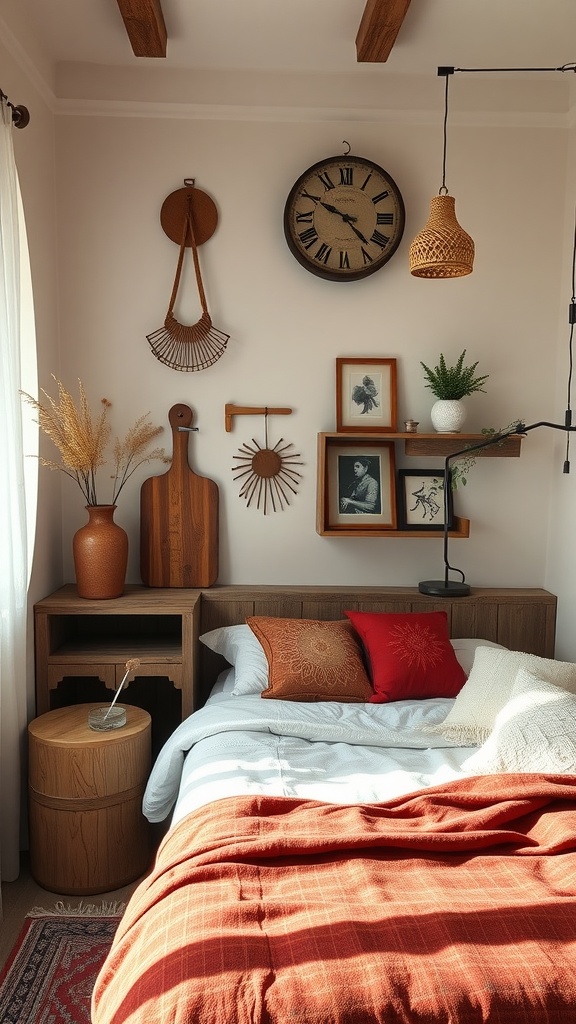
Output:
x=179 y=518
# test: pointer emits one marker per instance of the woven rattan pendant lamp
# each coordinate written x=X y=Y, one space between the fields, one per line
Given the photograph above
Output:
x=442 y=249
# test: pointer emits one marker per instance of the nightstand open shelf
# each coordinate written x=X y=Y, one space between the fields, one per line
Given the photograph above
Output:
x=82 y=638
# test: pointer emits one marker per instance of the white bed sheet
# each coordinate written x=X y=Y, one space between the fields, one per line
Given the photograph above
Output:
x=337 y=753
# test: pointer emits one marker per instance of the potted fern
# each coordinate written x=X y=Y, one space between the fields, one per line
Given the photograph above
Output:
x=450 y=384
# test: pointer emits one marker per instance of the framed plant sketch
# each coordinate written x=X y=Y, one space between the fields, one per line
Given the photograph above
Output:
x=356 y=484
x=365 y=395
x=421 y=500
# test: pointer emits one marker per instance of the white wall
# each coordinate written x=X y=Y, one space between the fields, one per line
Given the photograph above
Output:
x=122 y=146
x=287 y=326
x=561 y=554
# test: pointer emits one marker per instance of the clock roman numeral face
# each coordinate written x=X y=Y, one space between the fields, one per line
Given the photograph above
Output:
x=344 y=218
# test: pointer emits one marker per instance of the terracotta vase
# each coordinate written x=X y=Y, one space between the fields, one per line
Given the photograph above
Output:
x=100 y=551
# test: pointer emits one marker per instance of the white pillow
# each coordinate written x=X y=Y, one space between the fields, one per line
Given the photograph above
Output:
x=534 y=732
x=465 y=649
x=488 y=689
x=242 y=650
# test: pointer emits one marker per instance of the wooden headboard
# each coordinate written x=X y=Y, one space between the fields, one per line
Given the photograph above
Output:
x=520 y=619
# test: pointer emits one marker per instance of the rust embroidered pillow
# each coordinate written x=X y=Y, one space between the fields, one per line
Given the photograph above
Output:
x=409 y=655
x=312 y=660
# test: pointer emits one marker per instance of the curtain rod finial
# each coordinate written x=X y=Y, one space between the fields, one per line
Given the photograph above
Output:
x=20 y=116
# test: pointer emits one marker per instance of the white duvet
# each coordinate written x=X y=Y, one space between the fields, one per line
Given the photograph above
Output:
x=339 y=753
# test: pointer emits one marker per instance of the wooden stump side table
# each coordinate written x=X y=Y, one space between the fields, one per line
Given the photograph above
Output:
x=85 y=788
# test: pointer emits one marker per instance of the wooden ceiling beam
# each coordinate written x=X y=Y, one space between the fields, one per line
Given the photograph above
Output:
x=145 y=26
x=378 y=29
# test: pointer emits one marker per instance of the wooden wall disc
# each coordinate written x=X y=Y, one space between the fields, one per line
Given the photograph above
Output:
x=175 y=210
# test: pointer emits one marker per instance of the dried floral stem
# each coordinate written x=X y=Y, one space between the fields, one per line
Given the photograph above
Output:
x=131 y=665
x=81 y=440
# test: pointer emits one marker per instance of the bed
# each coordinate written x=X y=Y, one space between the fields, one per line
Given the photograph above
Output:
x=372 y=818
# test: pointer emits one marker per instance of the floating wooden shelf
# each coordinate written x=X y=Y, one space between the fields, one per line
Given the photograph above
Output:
x=444 y=444
x=461 y=528
x=423 y=445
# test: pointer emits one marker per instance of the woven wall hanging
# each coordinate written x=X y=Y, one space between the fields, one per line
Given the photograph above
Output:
x=189 y=218
x=268 y=474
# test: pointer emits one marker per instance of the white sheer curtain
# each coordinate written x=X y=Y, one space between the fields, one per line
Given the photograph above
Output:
x=13 y=532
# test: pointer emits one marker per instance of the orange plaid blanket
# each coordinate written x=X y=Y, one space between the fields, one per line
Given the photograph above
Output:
x=453 y=904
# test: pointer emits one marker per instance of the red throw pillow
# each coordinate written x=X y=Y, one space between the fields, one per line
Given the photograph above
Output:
x=409 y=655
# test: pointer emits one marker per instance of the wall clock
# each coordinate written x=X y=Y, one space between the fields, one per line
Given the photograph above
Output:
x=344 y=218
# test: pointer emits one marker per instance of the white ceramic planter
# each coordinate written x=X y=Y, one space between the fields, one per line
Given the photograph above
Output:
x=447 y=416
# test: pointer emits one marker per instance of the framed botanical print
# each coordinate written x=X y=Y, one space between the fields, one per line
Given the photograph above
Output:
x=421 y=500
x=356 y=485
x=365 y=395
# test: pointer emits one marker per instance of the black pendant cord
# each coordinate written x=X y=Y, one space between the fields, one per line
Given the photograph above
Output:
x=443 y=191
x=445 y=72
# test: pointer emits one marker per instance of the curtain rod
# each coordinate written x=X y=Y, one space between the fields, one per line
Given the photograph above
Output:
x=20 y=114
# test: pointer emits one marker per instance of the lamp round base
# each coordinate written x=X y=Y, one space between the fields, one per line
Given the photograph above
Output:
x=443 y=588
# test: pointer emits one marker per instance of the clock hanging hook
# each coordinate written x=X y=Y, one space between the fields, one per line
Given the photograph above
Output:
x=346 y=143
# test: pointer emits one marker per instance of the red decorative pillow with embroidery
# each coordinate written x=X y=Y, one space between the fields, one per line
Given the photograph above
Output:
x=409 y=655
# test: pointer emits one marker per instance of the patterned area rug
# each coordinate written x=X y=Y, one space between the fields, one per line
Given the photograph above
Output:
x=50 y=973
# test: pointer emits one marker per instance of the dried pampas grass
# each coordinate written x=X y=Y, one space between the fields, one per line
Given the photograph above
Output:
x=82 y=439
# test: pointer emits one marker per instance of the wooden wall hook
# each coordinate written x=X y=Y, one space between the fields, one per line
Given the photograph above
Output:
x=231 y=410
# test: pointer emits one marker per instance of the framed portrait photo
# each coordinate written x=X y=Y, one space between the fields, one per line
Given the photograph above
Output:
x=365 y=395
x=356 y=486
x=421 y=500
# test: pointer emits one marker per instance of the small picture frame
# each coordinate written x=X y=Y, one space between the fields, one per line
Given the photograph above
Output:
x=421 y=500
x=357 y=485
x=365 y=395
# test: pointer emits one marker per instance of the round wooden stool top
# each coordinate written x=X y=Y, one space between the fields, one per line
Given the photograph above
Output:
x=69 y=759
x=69 y=726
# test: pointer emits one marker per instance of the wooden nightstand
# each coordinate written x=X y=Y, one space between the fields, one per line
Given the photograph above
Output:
x=82 y=647
x=87 y=831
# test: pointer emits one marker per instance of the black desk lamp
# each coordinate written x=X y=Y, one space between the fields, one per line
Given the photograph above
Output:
x=453 y=588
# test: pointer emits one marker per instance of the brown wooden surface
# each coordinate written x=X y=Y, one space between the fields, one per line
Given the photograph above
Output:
x=175 y=210
x=179 y=519
x=379 y=27
x=87 y=831
x=424 y=445
x=445 y=444
x=145 y=26
x=341 y=363
x=78 y=637
x=520 y=619
x=461 y=527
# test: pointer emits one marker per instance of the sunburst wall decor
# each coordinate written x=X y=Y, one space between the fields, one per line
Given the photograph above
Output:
x=268 y=475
